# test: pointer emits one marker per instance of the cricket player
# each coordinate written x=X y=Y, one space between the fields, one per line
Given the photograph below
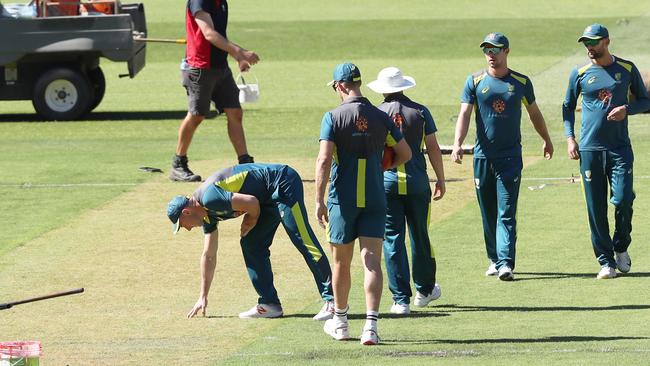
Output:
x=611 y=90
x=266 y=195
x=408 y=195
x=497 y=94
x=352 y=141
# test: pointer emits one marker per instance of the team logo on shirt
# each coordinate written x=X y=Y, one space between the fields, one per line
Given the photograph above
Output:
x=499 y=105
x=511 y=88
x=398 y=120
x=361 y=124
x=485 y=90
x=591 y=80
x=605 y=95
x=617 y=76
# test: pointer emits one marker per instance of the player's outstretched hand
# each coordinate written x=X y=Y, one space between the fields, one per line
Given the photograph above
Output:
x=201 y=305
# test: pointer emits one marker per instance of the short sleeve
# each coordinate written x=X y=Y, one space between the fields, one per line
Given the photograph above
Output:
x=327 y=127
x=429 y=124
x=469 y=91
x=529 y=92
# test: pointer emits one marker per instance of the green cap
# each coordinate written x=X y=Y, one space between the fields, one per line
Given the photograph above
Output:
x=347 y=72
x=495 y=39
x=594 y=31
x=175 y=209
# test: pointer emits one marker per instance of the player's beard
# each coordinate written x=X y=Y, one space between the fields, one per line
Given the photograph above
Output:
x=594 y=55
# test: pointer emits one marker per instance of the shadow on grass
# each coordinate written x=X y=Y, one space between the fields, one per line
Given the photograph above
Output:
x=463 y=308
x=419 y=314
x=106 y=116
x=527 y=276
x=556 y=339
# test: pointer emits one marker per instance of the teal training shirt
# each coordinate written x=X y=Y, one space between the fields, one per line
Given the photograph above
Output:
x=497 y=103
x=359 y=132
x=603 y=89
x=215 y=194
x=415 y=122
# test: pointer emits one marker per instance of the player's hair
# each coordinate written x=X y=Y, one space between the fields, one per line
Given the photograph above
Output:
x=351 y=84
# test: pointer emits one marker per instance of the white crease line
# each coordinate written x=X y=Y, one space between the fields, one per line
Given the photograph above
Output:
x=74 y=185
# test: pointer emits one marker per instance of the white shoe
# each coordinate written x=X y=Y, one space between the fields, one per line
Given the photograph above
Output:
x=262 y=311
x=606 y=272
x=326 y=312
x=623 y=262
x=492 y=270
x=400 y=309
x=505 y=274
x=369 y=337
x=424 y=300
x=337 y=330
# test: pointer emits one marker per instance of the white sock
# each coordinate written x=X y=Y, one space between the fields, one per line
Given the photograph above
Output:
x=371 y=320
x=341 y=315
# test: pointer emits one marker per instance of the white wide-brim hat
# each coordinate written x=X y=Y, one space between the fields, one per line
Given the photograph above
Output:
x=391 y=80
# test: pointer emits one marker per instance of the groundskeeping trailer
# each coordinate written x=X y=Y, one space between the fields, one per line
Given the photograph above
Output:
x=54 y=61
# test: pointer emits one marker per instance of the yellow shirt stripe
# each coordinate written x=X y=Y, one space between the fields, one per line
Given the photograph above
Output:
x=361 y=183
x=233 y=183
x=627 y=66
x=519 y=78
x=584 y=68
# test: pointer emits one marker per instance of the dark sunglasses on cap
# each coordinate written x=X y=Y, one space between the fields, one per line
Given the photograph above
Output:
x=336 y=83
x=492 y=50
x=591 y=42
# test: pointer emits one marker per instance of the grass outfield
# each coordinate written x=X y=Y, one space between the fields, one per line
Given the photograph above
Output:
x=77 y=212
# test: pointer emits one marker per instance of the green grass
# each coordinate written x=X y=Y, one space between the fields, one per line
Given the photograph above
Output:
x=78 y=212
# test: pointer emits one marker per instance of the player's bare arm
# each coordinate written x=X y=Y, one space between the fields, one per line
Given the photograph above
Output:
x=208 y=266
x=244 y=57
x=323 y=166
x=539 y=124
x=251 y=206
x=435 y=158
x=462 y=125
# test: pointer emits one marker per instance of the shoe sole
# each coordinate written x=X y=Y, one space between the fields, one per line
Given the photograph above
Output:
x=324 y=318
x=178 y=178
x=629 y=266
x=396 y=313
x=257 y=316
x=507 y=277
x=370 y=343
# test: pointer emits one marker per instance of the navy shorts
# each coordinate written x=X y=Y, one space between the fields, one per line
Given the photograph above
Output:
x=348 y=223
x=206 y=85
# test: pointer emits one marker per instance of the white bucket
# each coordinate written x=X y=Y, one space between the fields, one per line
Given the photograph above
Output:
x=248 y=93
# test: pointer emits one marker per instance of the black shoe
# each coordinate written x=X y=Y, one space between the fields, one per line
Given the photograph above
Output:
x=245 y=159
x=180 y=172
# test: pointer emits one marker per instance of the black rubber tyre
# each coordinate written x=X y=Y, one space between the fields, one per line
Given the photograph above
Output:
x=62 y=94
x=98 y=81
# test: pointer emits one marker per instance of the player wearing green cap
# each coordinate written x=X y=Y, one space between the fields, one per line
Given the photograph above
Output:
x=266 y=195
x=497 y=95
x=606 y=84
x=352 y=140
